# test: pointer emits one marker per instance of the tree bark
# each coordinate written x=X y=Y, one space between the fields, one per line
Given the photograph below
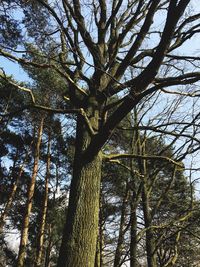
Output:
x=98 y=255
x=40 y=243
x=28 y=208
x=80 y=235
x=100 y=239
x=101 y=232
x=79 y=241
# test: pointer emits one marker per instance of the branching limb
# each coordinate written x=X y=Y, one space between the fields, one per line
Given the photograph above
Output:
x=145 y=157
x=90 y=128
x=41 y=108
x=44 y=66
x=17 y=86
x=116 y=161
x=160 y=83
x=156 y=129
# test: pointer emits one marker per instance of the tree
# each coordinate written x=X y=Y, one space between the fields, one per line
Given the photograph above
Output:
x=29 y=201
x=116 y=36
x=153 y=198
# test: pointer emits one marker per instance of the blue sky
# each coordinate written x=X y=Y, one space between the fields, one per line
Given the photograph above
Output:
x=14 y=69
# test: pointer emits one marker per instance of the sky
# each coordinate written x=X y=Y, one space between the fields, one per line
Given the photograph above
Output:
x=14 y=69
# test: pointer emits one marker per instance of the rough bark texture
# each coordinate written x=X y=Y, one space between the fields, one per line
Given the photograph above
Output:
x=97 y=255
x=100 y=240
x=25 y=226
x=78 y=246
x=101 y=234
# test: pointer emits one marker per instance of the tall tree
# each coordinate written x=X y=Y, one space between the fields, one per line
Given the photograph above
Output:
x=29 y=201
x=108 y=38
x=40 y=242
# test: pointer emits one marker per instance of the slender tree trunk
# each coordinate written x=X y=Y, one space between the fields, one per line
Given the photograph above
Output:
x=25 y=225
x=10 y=200
x=79 y=241
x=150 y=243
x=40 y=244
x=12 y=193
x=119 y=249
x=48 y=250
x=133 y=243
x=135 y=148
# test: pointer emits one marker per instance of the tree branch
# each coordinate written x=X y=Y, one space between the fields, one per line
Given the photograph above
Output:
x=145 y=157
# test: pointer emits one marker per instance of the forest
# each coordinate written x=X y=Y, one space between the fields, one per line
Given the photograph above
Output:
x=99 y=133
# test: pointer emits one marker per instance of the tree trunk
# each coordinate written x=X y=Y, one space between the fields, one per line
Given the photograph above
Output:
x=97 y=255
x=40 y=244
x=101 y=233
x=79 y=241
x=150 y=245
x=25 y=225
x=80 y=234
x=48 y=249
x=120 y=241
x=135 y=148
x=12 y=193
x=99 y=248
x=133 y=243
x=10 y=200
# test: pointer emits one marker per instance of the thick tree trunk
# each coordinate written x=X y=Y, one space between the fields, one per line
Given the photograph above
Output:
x=78 y=246
x=101 y=233
x=97 y=255
x=81 y=230
x=25 y=225
x=100 y=240
x=40 y=242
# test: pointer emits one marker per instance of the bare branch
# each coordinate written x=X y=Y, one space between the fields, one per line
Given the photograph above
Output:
x=122 y=156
